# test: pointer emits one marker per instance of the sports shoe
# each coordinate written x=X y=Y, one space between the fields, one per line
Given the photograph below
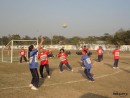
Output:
x=48 y=76
x=72 y=70
x=117 y=67
x=30 y=85
x=114 y=67
x=41 y=77
x=34 y=88
x=83 y=67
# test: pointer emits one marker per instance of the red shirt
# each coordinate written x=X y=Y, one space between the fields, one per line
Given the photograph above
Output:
x=22 y=52
x=63 y=58
x=116 y=53
x=43 y=57
x=83 y=50
x=99 y=50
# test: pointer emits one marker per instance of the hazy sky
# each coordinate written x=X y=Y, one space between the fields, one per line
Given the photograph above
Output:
x=83 y=17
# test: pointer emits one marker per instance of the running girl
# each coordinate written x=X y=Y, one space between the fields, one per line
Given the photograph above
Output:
x=33 y=65
x=83 y=49
x=63 y=57
x=43 y=56
x=22 y=53
x=116 y=54
x=88 y=65
x=99 y=51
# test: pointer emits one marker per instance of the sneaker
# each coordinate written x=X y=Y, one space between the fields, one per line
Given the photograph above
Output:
x=72 y=70
x=114 y=67
x=91 y=80
x=117 y=67
x=49 y=77
x=83 y=67
x=30 y=85
x=34 y=88
x=40 y=77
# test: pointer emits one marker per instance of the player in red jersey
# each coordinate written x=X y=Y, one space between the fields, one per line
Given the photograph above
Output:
x=22 y=54
x=116 y=54
x=63 y=57
x=83 y=53
x=43 y=56
x=100 y=53
x=84 y=49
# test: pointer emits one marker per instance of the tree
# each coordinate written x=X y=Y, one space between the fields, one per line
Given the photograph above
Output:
x=57 y=39
x=75 y=40
x=122 y=38
x=4 y=40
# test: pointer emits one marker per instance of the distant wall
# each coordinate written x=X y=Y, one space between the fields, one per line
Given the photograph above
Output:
x=74 y=47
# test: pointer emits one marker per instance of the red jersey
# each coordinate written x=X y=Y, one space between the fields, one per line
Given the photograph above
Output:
x=116 y=54
x=43 y=57
x=100 y=51
x=63 y=58
x=83 y=50
x=22 y=52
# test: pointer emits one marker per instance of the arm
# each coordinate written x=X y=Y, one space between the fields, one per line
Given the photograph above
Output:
x=40 y=44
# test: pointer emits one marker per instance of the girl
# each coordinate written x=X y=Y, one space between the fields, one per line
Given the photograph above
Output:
x=22 y=54
x=43 y=56
x=116 y=54
x=33 y=65
x=99 y=51
x=87 y=62
x=63 y=57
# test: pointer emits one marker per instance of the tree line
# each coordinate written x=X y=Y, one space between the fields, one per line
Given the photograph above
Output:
x=121 y=37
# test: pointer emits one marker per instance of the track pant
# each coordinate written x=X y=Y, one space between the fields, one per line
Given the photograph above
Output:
x=25 y=59
x=99 y=58
x=116 y=62
x=47 y=69
x=35 y=77
x=102 y=57
x=61 y=66
x=88 y=74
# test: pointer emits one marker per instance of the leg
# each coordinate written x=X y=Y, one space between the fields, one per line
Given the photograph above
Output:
x=117 y=60
x=21 y=59
x=47 y=69
x=25 y=59
x=67 y=64
x=88 y=74
x=60 y=66
x=98 y=58
x=102 y=57
x=114 y=65
x=41 y=70
x=36 y=78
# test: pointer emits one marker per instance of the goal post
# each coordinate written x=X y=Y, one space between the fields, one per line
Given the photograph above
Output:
x=10 y=52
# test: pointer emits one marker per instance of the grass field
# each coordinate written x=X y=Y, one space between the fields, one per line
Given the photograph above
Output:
x=109 y=83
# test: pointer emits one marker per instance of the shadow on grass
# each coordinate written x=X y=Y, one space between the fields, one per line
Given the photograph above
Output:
x=126 y=70
x=41 y=81
x=124 y=62
x=95 y=60
x=82 y=73
x=51 y=70
x=109 y=65
x=91 y=95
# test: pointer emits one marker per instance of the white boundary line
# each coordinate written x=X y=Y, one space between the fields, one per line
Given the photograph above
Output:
x=69 y=82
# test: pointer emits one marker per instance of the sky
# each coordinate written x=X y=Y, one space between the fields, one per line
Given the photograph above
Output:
x=45 y=17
